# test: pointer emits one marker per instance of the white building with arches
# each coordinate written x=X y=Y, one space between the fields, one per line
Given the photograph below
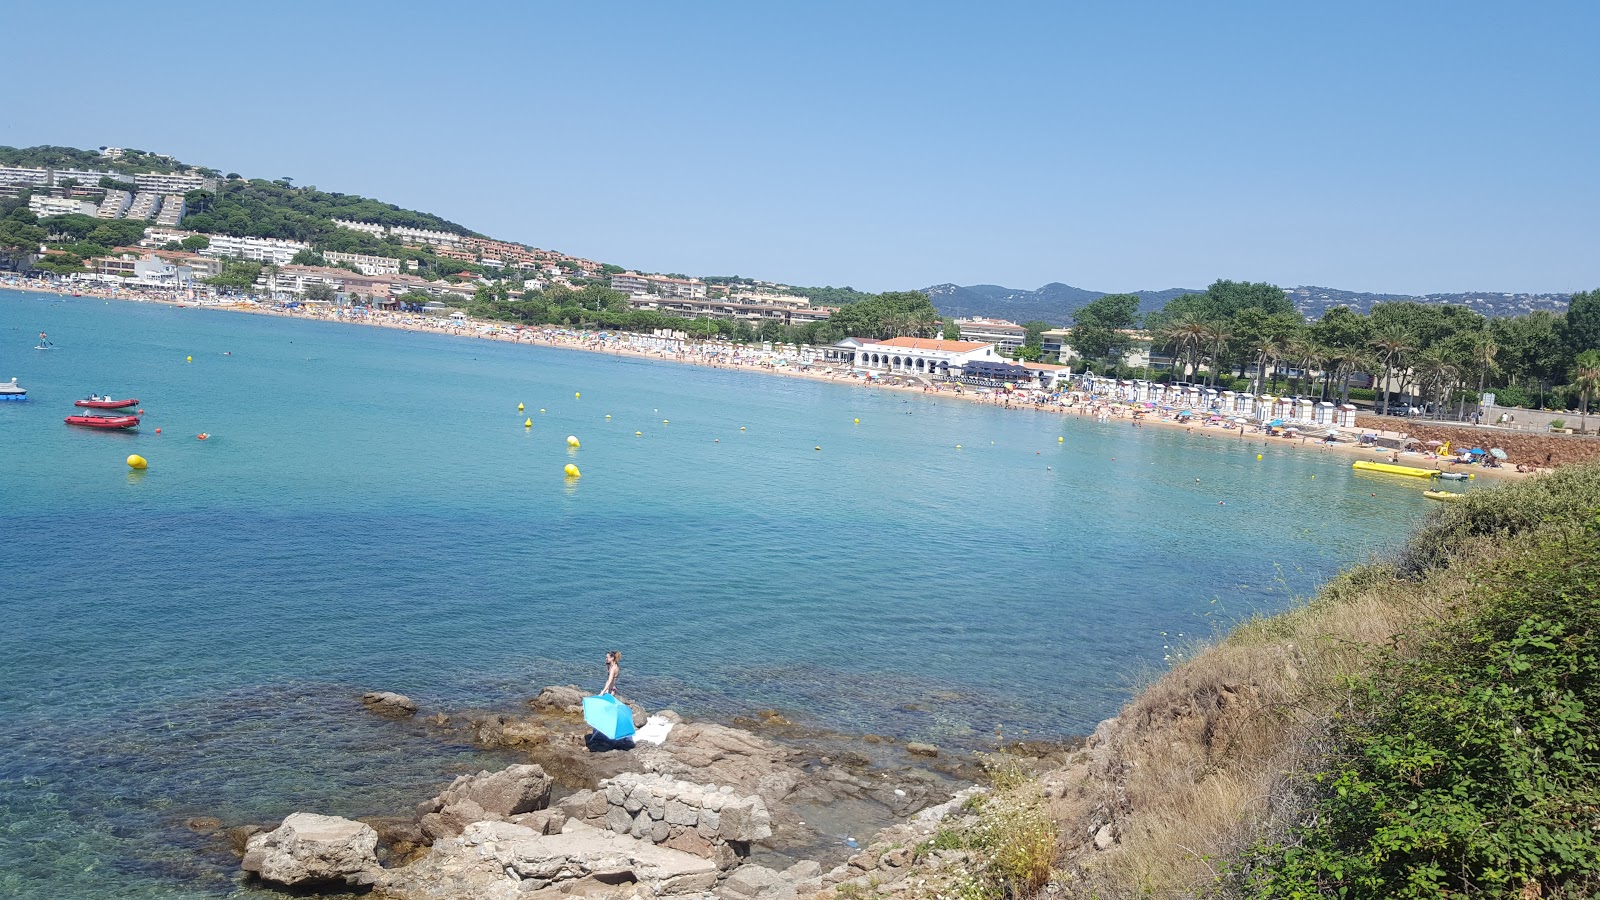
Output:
x=930 y=357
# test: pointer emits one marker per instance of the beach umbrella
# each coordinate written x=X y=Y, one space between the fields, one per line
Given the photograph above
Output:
x=1434 y=443
x=1275 y=423
x=609 y=716
x=1497 y=453
x=1476 y=451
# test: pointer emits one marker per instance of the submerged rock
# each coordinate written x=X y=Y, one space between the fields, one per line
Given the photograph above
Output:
x=389 y=704
x=309 y=850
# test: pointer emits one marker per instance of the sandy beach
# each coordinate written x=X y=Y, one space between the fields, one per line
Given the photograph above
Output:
x=723 y=355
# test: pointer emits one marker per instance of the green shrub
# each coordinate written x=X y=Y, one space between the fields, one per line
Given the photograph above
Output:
x=1557 y=424
x=1469 y=766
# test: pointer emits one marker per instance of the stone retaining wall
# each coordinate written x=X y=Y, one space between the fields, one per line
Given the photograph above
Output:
x=703 y=819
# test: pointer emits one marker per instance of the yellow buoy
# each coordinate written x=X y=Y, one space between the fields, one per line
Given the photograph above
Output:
x=958 y=446
x=528 y=423
x=1258 y=456
x=541 y=409
x=576 y=395
x=818 y=447
x=188 y=359
x=608 y=415
x=663 y=421
x=572 y=471
x=858 y=421
x=1061 y=440
x=638 y=433
x=572 y=441
x=741 y=427
x=519 y=407
x=137 y=462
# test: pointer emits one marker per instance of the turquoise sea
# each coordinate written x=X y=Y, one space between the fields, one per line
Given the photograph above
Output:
x=371 y=513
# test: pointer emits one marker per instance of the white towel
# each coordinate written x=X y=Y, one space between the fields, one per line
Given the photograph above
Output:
x=655 y=731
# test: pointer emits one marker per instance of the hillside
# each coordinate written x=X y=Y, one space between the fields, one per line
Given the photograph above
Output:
x=1055 y=302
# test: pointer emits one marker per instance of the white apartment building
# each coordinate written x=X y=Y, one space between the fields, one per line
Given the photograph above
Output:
x=160 y=237
x=20 y=175
x=84 y=177
x=424 y=236
x=172 y=209
x=634 y=283
x=1008 y=336
x=59 y=206
x=173 y=184
x=295 y=279
x=371 y=228
x=115 y=205
x=369 y=265
x=263 y=250
x=403 y=234
x=145 y=205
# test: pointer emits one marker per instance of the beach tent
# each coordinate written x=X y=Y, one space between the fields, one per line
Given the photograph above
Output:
x=609 y=716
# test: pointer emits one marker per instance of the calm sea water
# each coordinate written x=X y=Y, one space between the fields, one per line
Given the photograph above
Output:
x=370 y=512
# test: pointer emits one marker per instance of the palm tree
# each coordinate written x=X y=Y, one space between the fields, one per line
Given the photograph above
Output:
x=1391 y=343
x=1184 y=335
x=1434 y=372
x=1586 y=378
x=1344 y=362
x=1306 y=355
x=1217 y=334
x=1484 y=350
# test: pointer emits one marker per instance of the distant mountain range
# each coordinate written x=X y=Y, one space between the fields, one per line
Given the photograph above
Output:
x=1055 y=302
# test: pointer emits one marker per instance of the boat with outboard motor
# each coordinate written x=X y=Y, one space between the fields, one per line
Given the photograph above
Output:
x=104 y=421
x=12 y=391
x=95 y=401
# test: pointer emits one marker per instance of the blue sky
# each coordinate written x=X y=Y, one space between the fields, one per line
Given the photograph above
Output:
x=1408 y=147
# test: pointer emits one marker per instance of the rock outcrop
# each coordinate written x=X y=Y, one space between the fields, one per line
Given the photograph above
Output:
x=502 y=861
x=309 y=850
x=486 y=796
x=389 y=704
x=708 y=821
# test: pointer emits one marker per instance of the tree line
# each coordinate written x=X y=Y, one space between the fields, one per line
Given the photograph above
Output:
x=1246 y=335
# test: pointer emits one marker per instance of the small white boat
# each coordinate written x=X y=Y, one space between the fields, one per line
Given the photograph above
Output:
x=12 y=391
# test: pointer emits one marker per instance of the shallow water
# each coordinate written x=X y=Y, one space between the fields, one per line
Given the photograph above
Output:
x=371 y=513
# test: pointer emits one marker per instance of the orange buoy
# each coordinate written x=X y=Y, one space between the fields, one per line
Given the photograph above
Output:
x=158 y=431
x=201 y=436
x=141 y=412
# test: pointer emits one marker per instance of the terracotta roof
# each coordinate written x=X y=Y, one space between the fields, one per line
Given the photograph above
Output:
x=911 y=343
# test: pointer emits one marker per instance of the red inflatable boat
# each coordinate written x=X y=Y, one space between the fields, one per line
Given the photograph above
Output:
x=104 y=421
x=106 y=404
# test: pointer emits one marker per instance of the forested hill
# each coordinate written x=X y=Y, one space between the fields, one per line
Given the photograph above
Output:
x=1055 y=302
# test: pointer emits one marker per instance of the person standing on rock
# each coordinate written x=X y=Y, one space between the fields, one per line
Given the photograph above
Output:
x=613 y=669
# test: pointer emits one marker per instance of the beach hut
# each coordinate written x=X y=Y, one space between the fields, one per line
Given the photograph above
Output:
x=1300 y=409
x=1322 y=413
x=1226 y=401
x=1263 y=407
x=1345 y=416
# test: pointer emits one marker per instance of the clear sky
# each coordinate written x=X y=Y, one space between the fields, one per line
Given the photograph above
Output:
x=1382 y=146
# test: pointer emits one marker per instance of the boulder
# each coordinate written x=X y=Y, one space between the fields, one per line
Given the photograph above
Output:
x=756 y=883
x=564 y=698
x=508 y=792
x=486 y=796
x=390 y=704
x=309 y=850
x=918 y=749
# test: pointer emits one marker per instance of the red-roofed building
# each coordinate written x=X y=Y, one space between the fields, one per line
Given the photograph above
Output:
x=928 y=357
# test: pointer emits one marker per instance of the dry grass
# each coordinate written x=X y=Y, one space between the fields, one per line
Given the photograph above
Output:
x=1200 y=763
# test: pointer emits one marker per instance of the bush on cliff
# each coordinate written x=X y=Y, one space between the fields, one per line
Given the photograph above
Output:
x=1468 y=765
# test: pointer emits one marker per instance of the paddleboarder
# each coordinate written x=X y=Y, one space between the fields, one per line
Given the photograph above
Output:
x=613 y=669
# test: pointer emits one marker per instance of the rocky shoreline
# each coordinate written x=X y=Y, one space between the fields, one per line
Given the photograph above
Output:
x=758 y=810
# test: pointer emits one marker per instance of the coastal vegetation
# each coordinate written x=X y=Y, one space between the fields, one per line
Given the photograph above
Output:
x=1425 y=726
x=1248 y=336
